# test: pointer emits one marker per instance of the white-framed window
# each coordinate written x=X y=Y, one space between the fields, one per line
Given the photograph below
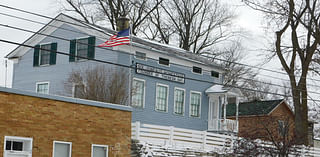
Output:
x=82 y=48
x=141 y=55
x=138 y=97
x=162 y=92
x=42 y=87
x=99 y=150
x=61 y=149
x=17 y=146
x=179 y=101
x=195 y=103
x=78 y=90
x=44 y=54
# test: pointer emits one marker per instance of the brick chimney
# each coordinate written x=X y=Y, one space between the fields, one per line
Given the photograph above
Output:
x=122 y=23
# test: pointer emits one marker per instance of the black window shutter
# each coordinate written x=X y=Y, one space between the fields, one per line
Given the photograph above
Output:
x=91 y=47
x=36 y=55
x=72 y=50
x=53 y=53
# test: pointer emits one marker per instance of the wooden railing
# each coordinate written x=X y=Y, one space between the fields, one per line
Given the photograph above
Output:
x=183 y=138
x=221 y=125
x=173 y=137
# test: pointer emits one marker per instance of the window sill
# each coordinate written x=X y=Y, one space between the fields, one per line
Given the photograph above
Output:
x=81 y=60
x=137 y=107
x=195 y=117
x=201 y=74
x=161 y=111
x=44 y=65
x=179 y=114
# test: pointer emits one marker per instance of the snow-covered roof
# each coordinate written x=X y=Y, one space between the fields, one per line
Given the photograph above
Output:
x=101 y=32
x=220 y=89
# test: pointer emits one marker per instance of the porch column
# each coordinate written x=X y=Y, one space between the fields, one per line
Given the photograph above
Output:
x=225 y=107
x=237 y=112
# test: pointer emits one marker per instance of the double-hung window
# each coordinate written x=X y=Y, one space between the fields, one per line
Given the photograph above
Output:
x=195 y=104
x=179 y=95
x=61 y=149
x=138 y=92
x=99 y=151
x=162 y=98
x=42 y=87
x=81 y=49
x=45 y=54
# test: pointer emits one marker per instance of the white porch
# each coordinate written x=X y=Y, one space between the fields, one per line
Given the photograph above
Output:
x=217 y=114
x=223 y=125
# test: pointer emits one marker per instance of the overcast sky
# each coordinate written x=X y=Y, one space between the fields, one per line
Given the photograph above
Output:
x=247 y=19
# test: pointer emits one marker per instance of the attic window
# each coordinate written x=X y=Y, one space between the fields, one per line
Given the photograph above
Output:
x=140 y=55
x=82 y=49
x=164 y=61
x=214 y=74
x=45 y=54
x=196 y=70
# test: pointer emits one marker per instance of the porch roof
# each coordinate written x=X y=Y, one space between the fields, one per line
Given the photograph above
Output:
x=220 y=89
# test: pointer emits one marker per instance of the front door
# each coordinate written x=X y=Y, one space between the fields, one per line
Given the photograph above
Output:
x=213 y=118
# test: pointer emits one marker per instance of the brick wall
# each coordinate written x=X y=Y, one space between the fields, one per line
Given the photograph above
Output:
x=47 y=120
x=256 y=126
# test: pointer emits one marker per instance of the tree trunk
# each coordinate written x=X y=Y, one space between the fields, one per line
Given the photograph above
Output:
x=299 y=94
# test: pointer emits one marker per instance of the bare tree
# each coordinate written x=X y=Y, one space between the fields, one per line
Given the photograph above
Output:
x=260 y=90
x=199 y=24
x=159 y=27
x=108 y=11
x=296 y=24
x=99 y=83
x=242 y=76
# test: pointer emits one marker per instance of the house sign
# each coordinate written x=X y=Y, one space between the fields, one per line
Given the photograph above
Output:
x=159 y=73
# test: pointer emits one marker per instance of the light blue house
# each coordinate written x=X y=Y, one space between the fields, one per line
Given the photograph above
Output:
x=173 y=87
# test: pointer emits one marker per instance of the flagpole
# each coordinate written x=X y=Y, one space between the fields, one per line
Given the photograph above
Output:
x=130 y=70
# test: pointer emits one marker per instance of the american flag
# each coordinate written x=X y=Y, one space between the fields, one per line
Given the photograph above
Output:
x=121 y=38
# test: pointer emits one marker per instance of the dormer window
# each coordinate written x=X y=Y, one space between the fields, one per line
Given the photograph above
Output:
x=197 y=70
x=214 y=74
x=163 y=61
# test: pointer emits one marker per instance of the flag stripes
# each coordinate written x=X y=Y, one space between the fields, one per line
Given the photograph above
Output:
x=121 y=38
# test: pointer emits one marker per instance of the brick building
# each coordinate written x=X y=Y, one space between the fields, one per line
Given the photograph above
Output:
x=41 y=125
x=263 y=119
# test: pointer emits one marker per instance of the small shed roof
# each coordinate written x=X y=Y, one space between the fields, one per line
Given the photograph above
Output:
x=253 y=108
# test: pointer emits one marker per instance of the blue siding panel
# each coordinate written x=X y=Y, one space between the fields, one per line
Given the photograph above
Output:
x=148 y=113
x=25 y=77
